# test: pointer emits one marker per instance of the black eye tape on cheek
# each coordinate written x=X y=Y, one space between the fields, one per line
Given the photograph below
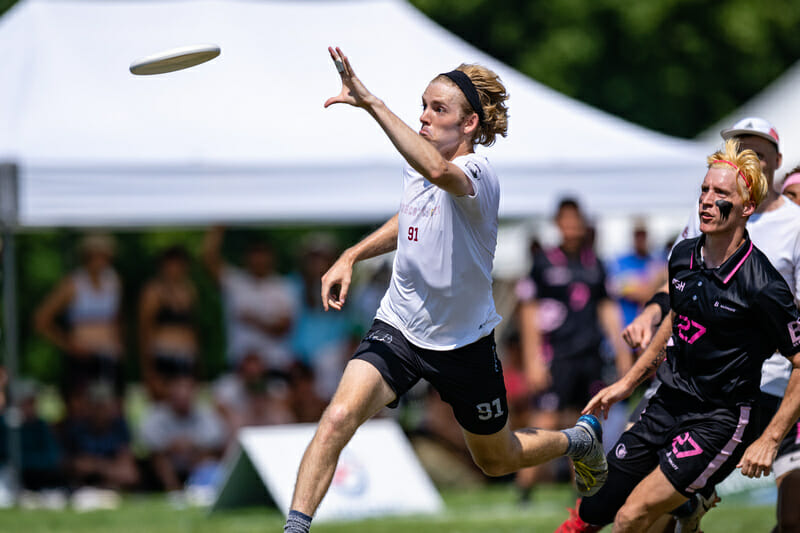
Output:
x=724 y=207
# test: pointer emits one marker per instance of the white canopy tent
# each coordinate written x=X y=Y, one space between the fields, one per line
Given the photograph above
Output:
x=245 y=138
x=778 y=103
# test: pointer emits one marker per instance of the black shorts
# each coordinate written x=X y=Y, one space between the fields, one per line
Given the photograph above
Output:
x=469 y=378
x=695 y=448
x=574 y=381
x=788 y=457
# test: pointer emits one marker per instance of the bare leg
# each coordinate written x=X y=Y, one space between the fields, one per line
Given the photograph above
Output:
x=362 y=392
x=505 y=452
x=527 y=478
x=652 y=497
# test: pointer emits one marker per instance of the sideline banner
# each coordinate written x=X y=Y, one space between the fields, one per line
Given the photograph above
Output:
x=378 y=473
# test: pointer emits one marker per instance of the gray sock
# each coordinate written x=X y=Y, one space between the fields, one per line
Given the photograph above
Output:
x=297 y=522
x=579 y=442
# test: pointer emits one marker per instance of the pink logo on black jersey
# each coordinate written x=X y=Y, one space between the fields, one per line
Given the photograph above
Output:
x=685 y=446
x=794 y=332
x=688 y=330
x=579 y=294
x=621 y=451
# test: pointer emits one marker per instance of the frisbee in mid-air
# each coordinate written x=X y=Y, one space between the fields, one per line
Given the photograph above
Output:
x=174 y=59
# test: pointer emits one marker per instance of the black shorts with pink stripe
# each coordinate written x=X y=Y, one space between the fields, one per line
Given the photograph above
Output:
x=696 y=447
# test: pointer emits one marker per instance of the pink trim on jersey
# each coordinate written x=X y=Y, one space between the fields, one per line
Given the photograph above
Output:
x=725 y=453
x=557 y=257
x=691 y=260
x=736 y=268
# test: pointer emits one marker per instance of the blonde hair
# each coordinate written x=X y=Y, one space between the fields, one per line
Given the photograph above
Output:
x=492 y=94
x=750 y=180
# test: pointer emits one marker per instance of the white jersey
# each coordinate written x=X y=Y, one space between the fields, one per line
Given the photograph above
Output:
x=440 y=295
x=777 y=234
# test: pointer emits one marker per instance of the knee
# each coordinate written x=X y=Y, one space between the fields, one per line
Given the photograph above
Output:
x=628 y=518
x=338 y=422
x=493 y=466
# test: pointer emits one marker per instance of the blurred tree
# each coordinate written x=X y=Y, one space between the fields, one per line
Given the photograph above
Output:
x=671 y=65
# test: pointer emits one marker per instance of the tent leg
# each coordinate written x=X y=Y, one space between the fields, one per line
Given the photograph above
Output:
x=13 y=418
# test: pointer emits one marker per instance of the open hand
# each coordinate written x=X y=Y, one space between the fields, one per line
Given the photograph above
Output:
x=603 y=400
x=353 y=91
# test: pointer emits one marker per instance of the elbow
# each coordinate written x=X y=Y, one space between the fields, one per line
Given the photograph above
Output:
x=437 y=172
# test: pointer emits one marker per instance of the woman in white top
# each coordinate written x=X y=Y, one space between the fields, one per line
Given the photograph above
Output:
x=437 y=318
x=89 y=299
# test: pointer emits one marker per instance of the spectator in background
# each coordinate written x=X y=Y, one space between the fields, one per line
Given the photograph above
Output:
x=304 y=402
x=251 y=396
x=81 y=316
x=565 y=315
x=259 y=305
x=98 y=446
x=637 y=275
x=168 y=340
x=322 y=341
x=41 y=453
x=182 y=436
x=791 y=185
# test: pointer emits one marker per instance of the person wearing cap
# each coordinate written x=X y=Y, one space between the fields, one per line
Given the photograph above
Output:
x=730 y=310
x=775 y=229
x=437 y=318
x=791 y=185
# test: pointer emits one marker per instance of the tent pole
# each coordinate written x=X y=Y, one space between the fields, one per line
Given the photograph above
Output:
x=13 y=418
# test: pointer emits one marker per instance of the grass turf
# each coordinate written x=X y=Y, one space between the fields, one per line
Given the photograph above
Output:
x=489 y=510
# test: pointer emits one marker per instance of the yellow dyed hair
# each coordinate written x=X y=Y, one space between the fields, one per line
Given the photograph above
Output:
x=748 y=163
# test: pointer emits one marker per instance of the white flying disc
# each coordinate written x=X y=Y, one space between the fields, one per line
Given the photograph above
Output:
x=174 y=59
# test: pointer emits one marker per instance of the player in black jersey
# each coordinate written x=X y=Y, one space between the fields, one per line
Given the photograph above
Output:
x=730 y=310
x=565 y=314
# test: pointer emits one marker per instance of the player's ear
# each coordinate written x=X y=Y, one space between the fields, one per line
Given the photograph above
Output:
x=749 y=209
x=471 y=123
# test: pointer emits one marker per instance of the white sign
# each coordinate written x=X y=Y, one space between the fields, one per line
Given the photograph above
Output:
x=377 y=474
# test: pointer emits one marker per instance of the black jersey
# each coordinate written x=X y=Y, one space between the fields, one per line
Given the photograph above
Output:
x=728 y=320
x=567 y=290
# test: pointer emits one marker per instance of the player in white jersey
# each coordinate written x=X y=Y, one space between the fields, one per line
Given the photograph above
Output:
x=437 y=318
x=791 y=185
x=775 y=230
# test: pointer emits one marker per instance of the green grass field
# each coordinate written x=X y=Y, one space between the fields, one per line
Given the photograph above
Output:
x=491 y=510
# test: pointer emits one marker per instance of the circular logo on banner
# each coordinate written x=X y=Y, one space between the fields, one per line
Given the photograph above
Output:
x=350 y=477
x=621 y=451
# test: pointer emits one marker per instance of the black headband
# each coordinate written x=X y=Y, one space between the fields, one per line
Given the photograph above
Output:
x=469 y=90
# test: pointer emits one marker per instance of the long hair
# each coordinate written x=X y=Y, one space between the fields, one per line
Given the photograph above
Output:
x=493 y=95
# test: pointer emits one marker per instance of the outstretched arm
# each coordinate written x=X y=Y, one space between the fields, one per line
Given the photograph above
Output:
x=758 y=457
x=419 y=153
x=336 y=281
x=644 y=367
